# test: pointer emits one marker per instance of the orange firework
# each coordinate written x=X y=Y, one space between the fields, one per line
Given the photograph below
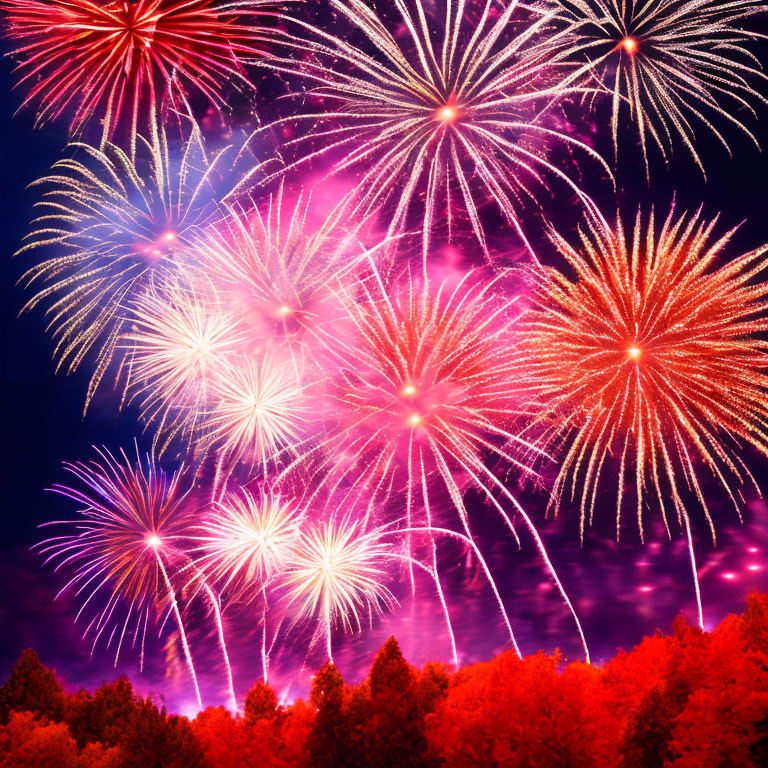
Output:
x=652 y=355
x=118 y=61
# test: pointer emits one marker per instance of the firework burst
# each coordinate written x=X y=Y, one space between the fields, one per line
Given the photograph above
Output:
x=668 y=63
x=247 y=541
x=276 y=272
x=245 y=544
x=652 y=354
x=125 y=545
x=119 y=62
x=448 y=116
x=115 y=226
x=427 y=395
x=258 y=414
x=178 y=340
x=337 y=572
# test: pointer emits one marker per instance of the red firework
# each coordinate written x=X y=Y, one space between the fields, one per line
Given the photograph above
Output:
x=119 y=61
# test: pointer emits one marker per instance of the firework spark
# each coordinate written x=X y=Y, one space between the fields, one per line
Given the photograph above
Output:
x=131 y=519
x=247 y=541
x=258 y=413
x=115 y=226
x=177 y=341
x=653 y=354
x=119 y=62
x=245 y=544
x=275 y=271
x=449 y=115
x=668 y=63
x=336 y=572
x=426 y=394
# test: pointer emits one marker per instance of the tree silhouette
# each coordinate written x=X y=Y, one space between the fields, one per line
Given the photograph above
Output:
x=260 y=703
x=395 y=734
x=325 y=742
x=31 y=688
x=691 y=699
x=155 y=740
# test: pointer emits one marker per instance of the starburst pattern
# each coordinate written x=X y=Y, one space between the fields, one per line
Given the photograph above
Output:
x=120 y=62
x=277 y=271
x=177 y=341
x=426 y=397
x=338 y=572
x=114 y=226
x=258 y=413
x=669 y=65
x=128 y=533
x=449 y=115
x=247 y=541
x=425 y=388
x=653 y=355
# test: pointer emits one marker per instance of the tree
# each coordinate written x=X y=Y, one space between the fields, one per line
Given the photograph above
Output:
x=520 y=713
x=296 y=728
x=325 y=741
x=154 y=740
x=754 y=622
x=395 y=734
x=224 y=739
x=27 y=742
x=432 y=682
x=649 y=729
x=103 y=717
x=31 y=688
x=260 y=703
x=720 y=723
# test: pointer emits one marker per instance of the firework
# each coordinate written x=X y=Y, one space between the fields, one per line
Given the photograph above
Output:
x=258 y=413
x=178 y=339
x=276 y=271
x=427 y=396
x=653 y=354
x=115 y=226
x=336 y=572
x=119 y=62
x=247 y=541
x=131 y=519
x=667 y=63
x=245 y=544
x=450 y=115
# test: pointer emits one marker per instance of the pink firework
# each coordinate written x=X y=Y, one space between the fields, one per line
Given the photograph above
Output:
x=124 y=547
x=426 y=399
x=276 y=271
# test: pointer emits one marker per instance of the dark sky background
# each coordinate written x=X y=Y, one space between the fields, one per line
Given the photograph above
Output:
x=623 y=591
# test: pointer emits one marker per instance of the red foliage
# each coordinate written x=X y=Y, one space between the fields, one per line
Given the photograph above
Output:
x=687 y=700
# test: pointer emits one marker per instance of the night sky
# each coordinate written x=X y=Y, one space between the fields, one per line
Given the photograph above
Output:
x=622 y=591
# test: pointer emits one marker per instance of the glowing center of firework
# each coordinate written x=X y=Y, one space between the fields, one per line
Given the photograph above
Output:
x=161 y=246
x=629 y=44
x=634 y=352
x=414 y=419
x=154 y=541
x=284 y=310
x=447 y=114
x=409 y=390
